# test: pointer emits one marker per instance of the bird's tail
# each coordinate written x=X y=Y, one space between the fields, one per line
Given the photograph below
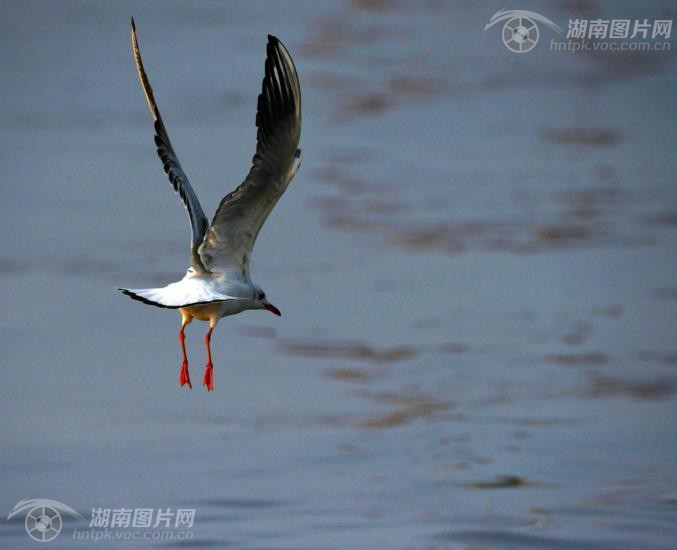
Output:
x=149 y=296
x=184 y=293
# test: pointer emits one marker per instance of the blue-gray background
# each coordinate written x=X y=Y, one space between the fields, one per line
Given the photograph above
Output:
x=475 y=263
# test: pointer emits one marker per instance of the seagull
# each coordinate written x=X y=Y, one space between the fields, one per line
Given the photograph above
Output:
x=217 y=282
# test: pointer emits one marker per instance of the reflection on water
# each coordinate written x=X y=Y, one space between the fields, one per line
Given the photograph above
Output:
x=475 y=266
x=502 y=482
x=658 y=388
x=406 y=408
x=352 y=375
x=572 y=359
x=347 y=350
x=593 y=137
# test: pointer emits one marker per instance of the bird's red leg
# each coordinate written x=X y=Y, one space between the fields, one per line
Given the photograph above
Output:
x=208 y=379
x=184 y=378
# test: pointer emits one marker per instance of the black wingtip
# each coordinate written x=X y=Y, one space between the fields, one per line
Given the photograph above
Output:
x=273 y=41
x=133 y=25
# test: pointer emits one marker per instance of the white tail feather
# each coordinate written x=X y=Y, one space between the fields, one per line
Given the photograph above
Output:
x=183 y=293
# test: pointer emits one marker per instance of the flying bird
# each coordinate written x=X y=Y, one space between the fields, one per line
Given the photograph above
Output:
x=218 y=282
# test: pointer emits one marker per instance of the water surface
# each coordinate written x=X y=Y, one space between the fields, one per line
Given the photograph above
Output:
x=475 y=265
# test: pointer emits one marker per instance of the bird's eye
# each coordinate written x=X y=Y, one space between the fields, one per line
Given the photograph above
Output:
x=261 y=296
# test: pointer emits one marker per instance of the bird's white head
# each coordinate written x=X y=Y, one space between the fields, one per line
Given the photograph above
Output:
x=261 y=302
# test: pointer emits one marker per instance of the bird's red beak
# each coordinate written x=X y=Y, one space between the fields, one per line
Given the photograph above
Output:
x=273 y=309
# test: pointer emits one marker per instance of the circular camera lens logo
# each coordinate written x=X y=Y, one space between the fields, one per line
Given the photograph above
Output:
x=520 y=34
x=43 y=523
x=43 y=517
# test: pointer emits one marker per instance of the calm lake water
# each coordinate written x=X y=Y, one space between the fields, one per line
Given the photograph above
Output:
x=475 y=265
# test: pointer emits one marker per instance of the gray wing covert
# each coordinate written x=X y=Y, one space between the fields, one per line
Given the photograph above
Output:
x=171 y=164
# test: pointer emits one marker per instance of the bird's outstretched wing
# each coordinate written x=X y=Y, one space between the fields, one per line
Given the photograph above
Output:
x=177 y=177
x=238 y=219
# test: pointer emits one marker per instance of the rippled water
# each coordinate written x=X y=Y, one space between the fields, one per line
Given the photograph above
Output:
x=475 y=266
